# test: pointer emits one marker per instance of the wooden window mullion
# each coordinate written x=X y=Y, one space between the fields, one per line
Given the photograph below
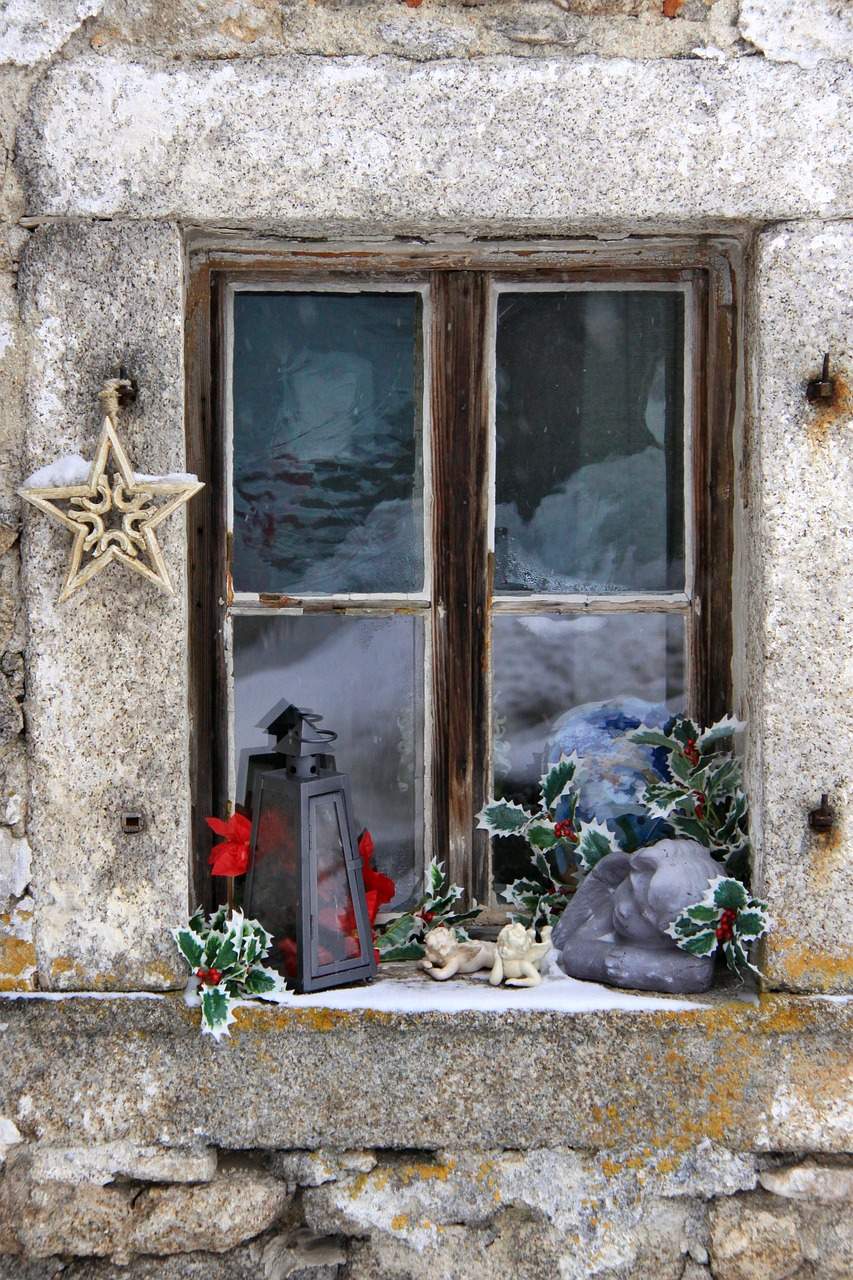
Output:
x=460 y=594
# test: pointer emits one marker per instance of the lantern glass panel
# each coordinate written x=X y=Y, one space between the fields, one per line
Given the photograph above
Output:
x=337 y=932
x=275 y=875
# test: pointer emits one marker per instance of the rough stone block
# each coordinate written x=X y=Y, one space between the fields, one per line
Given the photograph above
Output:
x=749 y=1243
x=214 y=1216
x=47 y=1218
x=379 y=142
x=799 y=696
x=10 y=1136
x=31 y=32
x=313 y=1168
x=772 y=1078
x=107 y=671
x=104 y=1163
x=822 y=1183
x=14 y=865
x=801 y=31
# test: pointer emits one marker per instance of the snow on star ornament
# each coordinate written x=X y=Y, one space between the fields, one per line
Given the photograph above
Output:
x=114 y=515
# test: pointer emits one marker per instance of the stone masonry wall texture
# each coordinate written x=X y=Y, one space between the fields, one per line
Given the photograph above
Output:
x=320 y=1145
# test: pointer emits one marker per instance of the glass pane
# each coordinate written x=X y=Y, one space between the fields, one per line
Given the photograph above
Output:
x=562 y=682
x=590 y=455
x=337 y=931
x=364 y=676
x=328 y=490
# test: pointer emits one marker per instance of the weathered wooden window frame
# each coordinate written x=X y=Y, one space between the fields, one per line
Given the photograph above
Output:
x=460 y=311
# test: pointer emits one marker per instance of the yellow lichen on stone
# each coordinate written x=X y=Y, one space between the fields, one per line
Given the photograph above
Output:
x=426 y=1172
x=399 y=1222
x=17 y=964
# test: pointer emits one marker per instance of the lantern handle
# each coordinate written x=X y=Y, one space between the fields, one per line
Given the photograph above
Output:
x=313 y=719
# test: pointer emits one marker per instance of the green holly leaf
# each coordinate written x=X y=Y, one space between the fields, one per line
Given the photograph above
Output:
x=540 y=834
x=503 y=818
x=409 y=951
x=684 y=730
x=226 y=953
x=681 y=768
x=558 y=778
x=216 y=1014
x=703 y=914
x=752 y=923
x=647 y=737
x=397 y=934
x=197 y=922
x=263 y=982
x=595 y=841
x=692 y=828
x=190 y=945
x=728 y=894
x=435 y=876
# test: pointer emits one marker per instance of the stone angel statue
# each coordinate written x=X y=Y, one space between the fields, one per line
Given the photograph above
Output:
x=446 y=955
x=518 y=956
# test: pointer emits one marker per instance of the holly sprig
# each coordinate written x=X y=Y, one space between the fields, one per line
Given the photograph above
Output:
x=541 y=896
x=726 y=917
x=703 y=797
x=226 y=955
x=402 y=938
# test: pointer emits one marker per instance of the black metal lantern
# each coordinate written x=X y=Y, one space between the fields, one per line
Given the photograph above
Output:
x=305 y=883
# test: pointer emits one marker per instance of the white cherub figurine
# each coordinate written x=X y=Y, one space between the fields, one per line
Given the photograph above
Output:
x=446 y=955
x=518 y=956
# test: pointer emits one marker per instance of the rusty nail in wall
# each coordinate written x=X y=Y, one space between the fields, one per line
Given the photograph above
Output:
x=128 y=393
x=822 y=818
x=822 y=388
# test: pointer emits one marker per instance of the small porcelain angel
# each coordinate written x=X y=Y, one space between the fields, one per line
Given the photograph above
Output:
x=447 y=956
x=518 y=956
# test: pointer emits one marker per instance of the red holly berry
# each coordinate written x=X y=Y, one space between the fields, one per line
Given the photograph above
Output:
x=427 y=916
x=565 y=831
x=699 y=805
x=725 y=928
x=211 y=977
x=691 y=752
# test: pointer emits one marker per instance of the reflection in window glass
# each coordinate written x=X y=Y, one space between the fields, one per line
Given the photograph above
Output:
x=578 y=683
x=589 y=461
x=337 y=929
x=328 y=492
x=364 y=676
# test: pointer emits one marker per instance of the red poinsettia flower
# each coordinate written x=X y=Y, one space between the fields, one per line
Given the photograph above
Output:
x=374 y=881
x=231 y=857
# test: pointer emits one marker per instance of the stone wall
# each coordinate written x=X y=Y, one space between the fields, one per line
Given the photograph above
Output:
x=132 y=134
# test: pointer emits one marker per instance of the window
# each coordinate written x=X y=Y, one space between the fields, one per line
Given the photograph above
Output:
x=453 y=500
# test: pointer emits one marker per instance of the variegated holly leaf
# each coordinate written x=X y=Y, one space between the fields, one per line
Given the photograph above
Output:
x=397 y=934
x=503 y=818
x=540 y=834
x=263 y=982
x=216 y=1011
x=595 y=841
x=728 y=894
x=190 y=945
x=661 y=798
x=435 y=876
x=726 y=916
x=720 y=730
x=558 y=779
